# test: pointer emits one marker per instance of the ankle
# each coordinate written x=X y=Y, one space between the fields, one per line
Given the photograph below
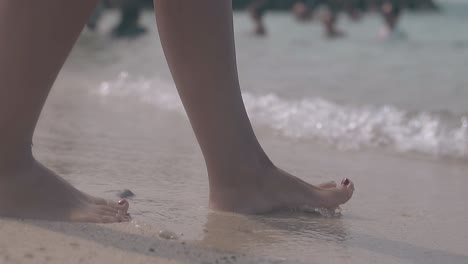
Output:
x=240 y=177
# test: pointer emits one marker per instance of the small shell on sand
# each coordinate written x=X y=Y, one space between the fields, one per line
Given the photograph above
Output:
x=126 y=193
x=167 y=234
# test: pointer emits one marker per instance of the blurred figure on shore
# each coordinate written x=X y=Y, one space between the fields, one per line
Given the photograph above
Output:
x=257 y=10
x=129 y=25
x=130 y=13
x=390 y=10
x=329 y=16
x=301 y=11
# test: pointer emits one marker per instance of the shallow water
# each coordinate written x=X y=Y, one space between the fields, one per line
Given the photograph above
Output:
x=392 y=116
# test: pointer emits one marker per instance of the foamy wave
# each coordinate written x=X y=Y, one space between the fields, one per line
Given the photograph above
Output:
x=344 y=126
x=351 y=127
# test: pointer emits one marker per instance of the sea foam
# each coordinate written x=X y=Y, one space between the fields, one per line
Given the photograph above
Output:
x=343 y=126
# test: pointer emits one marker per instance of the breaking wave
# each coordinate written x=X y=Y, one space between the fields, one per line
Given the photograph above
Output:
x=343 y=126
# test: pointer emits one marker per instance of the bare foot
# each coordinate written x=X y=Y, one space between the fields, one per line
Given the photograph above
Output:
x=274 y=189
x=35 y=192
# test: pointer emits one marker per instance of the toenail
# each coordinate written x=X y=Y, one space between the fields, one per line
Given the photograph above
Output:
x=345 y=181
x=122 y=202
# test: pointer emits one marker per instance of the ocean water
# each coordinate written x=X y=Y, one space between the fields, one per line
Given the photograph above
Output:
x=406 y=95
x=392 y=115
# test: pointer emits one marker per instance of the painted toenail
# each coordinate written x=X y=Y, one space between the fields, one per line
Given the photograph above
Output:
x=122 y=202
x=345 y=181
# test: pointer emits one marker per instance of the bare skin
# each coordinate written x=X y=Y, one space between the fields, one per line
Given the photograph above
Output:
x=241 y=176
x=36 y=37
x=45 y=195
x=197 y=37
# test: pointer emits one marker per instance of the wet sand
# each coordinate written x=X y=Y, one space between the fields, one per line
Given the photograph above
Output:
x=49 y=242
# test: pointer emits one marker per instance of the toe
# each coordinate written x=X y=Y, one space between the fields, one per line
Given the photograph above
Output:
x=123 y=206
x=98 y=201
x=348 y=186
x=345 y=181
x=114 y=218
x=330 y=184
x=113 y=209
x=117 y=217
x=106 y=210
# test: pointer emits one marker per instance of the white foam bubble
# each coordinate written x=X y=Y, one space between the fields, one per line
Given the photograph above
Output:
x=344 y=126
x=155 y=91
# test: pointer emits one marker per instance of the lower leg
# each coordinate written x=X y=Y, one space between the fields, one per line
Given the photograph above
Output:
x=198 y=42
x=36 y=37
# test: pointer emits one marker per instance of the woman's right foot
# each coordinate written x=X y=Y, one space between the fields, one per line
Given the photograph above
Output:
x=272 y=189
x=35 y=192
